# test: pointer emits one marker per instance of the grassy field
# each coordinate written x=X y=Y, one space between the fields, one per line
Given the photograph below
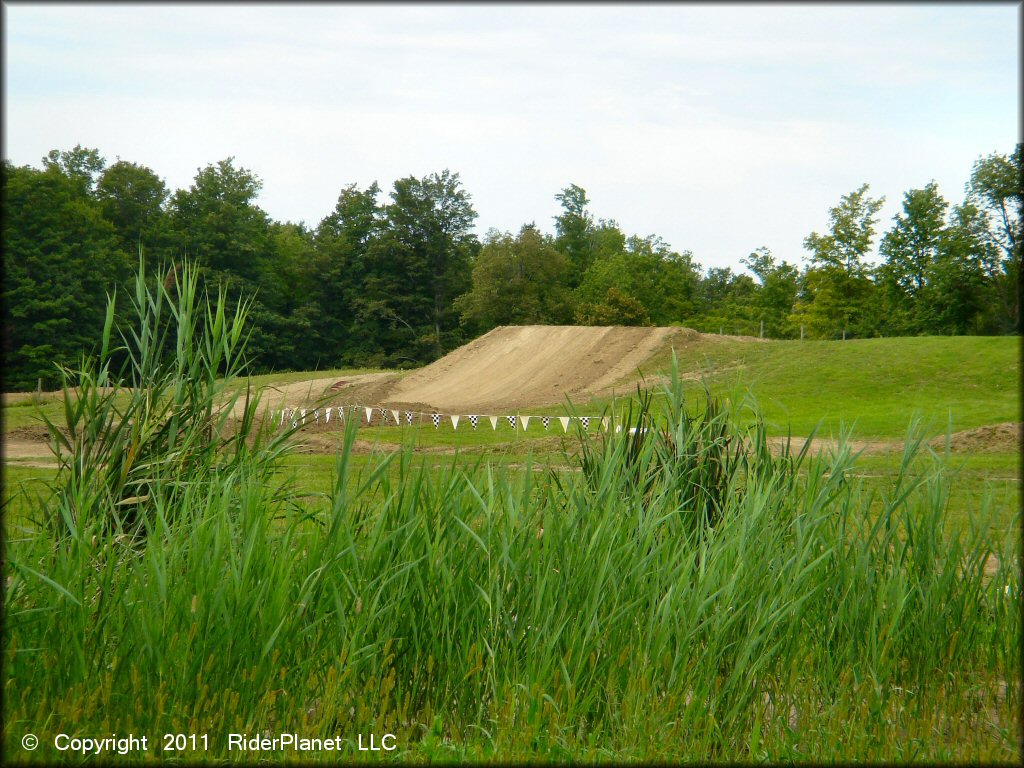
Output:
x=504 y=596
x=874 y=385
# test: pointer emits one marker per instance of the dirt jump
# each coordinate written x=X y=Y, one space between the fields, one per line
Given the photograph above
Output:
x=523 y=366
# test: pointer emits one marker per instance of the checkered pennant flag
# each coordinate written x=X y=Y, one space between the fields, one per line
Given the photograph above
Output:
x=511 y=421
x=546 y=421
x=383 y=416
x=585 y=421
x=295 y=422
x=316 y=415
x=473 y=420
x=436 y=418
x=408 y=418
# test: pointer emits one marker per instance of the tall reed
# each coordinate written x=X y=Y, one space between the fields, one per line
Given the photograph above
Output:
x=689 y=596
x=155 y=411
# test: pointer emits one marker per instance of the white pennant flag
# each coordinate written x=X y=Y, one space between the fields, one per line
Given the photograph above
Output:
x=604 y=423
x=398 y=420
x=494 y=421
x=369 y=415
x=455 y=422
x=327 y=416
x=565 y=423
x=526 y=421
x=303 y=415
x=282 y=415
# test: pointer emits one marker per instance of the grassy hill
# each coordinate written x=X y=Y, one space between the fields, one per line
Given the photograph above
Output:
x=877 y=385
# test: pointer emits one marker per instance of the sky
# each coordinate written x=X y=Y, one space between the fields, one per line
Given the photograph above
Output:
x=719 y=128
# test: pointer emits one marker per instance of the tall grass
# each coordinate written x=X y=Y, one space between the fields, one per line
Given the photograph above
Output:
x=687 y=596
x=153 y=414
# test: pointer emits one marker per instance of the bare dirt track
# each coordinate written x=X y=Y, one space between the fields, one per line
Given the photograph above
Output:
x=526 y=366
x=506 y=370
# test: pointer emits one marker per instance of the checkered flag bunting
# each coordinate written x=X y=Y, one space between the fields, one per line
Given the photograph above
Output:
x=511 y=421
x=408 y=418
x=436 y=418
x=473 y=420
x=546 y=421
x=585 y=421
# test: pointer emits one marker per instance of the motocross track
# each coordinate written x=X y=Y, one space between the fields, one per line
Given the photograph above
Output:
x=525 y=366
x=508 y=369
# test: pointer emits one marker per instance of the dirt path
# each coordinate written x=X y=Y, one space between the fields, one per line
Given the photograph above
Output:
x=28 y=453
x=316 y=391
x=526 y=366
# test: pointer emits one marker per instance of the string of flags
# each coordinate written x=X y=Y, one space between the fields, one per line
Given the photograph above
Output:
x=379 y=416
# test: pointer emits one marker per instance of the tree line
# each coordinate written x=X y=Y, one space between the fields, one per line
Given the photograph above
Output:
x=400 y=280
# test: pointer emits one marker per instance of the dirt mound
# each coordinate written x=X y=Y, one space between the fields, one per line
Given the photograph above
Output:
x=992 y=438
x=530 y=365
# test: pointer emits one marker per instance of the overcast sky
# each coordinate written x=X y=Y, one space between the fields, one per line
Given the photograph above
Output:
x=719 y=128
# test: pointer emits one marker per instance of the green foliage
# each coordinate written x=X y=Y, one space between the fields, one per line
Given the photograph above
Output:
x=913 y=245
x=393 y=284
x=851 y=232
x=615 y=308
x=996 y=187
x=60 y=257
x=80 y=165
x=221 y=226
x=136 y=438
x=419 y=265
x=658 y=283
x=132 y=198
x=573 y=228
x=774 y=300
x=840 y=295
x=519 y=280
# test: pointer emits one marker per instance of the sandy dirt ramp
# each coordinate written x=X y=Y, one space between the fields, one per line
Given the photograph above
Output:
x=531 y=365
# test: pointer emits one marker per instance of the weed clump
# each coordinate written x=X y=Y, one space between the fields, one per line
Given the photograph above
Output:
x=157 y=414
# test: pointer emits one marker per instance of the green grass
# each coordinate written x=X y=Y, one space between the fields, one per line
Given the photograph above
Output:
x=480 y=613
x=876 y=385
x=506 y=596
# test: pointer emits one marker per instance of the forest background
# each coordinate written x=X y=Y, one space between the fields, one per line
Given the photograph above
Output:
x=401 y=279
